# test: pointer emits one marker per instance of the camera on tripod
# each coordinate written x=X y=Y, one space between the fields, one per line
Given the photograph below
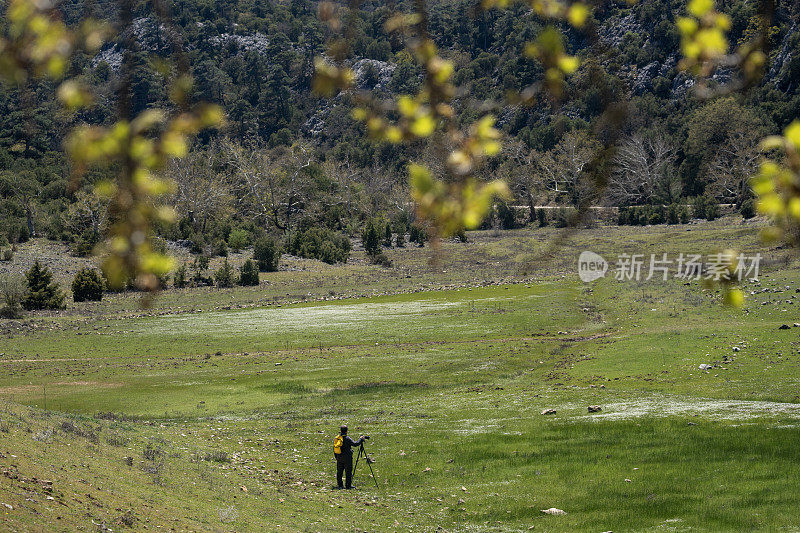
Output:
x=363 y=453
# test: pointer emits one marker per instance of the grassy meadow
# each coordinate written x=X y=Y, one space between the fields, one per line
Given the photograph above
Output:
x=215 y=410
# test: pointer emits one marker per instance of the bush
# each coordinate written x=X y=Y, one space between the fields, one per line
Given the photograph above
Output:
x=319 y=243
x=381 y=259
x=85 y=244
x=505 y=215
x=672 y=214
x=12 y=289
x=622 y=216
x=400 y=238
x=248 y=274
x=561 y=218
x=387 y=236
x=683 y=214
x=266 y=254
x=747 y=209
x=705 y=207
x=371 y=240
x=179 y=279
x=712 y=210
x=197 y=243
x=223 y=278
x=199 y=267
x=87 y=286
x=238 y=240
x=541 y=216
x=43 y=292
x=655 y=214
x=6 y=250
x=220 y=248
x=417 y=235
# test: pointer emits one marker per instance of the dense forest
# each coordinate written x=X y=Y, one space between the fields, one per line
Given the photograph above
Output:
x=289 y=162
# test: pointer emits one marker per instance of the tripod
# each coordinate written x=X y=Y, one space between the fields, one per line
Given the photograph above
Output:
x=369 y=460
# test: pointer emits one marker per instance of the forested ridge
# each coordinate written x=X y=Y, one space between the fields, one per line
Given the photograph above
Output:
x=289 y=161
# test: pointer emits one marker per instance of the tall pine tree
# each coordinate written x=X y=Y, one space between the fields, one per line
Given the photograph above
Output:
x=43 y=292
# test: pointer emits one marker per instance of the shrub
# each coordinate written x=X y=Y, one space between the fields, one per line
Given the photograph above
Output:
x=541 y=216
x=319 y=243
x=672 y=214
x=266 y=254
x=655 y=214
x=238 y=239
x=400 y=238
x=622 y=216
x=43 y=292
x=199 y=267
x=505 y=215
x=370 y=239
x=561 y=218
x=224 y=276
x=417 y=235
x=87 y=286
x=7 y=253
x=387 y=236
x=747 y=209
x=683 y=214
x=197 y=243
x=705 y=207
x=179 y=279
x=12 y=288
x=712 y=209
x=381 y=259
x=220 y=248
x=85 y=244
x=248 y=274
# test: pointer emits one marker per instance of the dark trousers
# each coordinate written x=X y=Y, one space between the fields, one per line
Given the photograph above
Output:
x=344 y=465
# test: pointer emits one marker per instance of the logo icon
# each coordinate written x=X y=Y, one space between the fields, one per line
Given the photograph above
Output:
x=591 y=266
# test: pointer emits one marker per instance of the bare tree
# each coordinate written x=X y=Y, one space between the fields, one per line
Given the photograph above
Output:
x=203 y=190
x=519 y=172
x=26 y=189
x=89 y=211
x=736 y=161
x=271 y=185
x=561 y=170
x=644 y=171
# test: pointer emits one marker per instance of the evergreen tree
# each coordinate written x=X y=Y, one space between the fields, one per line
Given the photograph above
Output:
x=179 y=280
x=248 y=274
x=266 y=254
x=43 y=292
x=387 y=237
x=371 y=240
x=87 y=286
x=224 y=276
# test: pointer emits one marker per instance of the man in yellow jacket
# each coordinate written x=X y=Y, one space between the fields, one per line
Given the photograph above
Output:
x=343 y=451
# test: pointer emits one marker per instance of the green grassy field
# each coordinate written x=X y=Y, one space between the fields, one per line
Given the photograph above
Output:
x=216 y=410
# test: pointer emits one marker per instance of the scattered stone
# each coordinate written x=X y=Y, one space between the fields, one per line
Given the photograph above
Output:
x=554 y=511
x=704 y=367
x=549 y=412
x=784 y=326
x=736 y=349
x=796 y=325
x=595 y=408
x=627 y=480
